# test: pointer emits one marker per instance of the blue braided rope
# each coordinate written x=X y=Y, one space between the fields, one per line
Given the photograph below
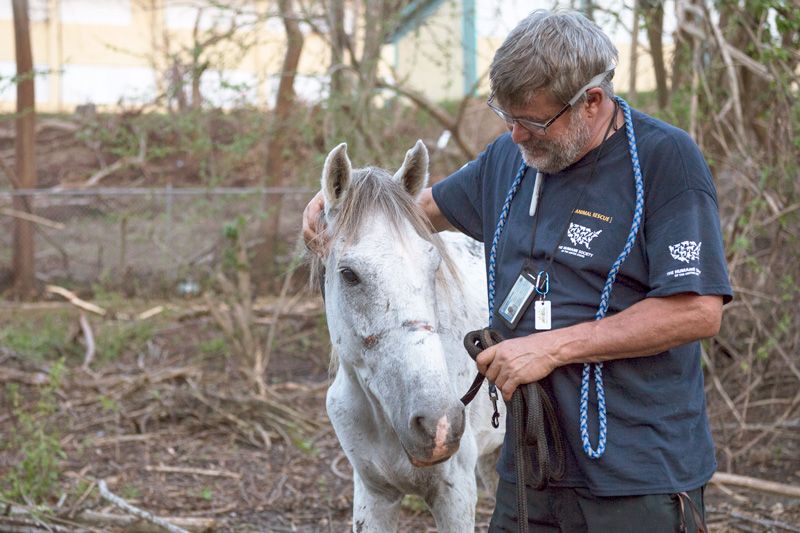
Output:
x=605 y=295
x=638 y=213
x=501 y=223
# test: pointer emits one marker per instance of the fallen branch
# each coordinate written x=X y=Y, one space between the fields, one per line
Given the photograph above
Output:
x=88 y=336
x=335 y=468
x=36 y=219
x=764 y=522
x=144 y=315
x=23 y=519
x=146 y=378
x=128 y=508
x=756 y=484
x=74 y=300
x=138 y=160
x=17 y=524
x=132 y=524
x=193 y=471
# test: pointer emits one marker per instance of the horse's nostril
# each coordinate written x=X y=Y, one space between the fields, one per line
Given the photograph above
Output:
x=440 y=425
x=424 y=426
x=421 y=424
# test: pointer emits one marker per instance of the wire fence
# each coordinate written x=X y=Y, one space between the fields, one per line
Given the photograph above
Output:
x=146 y=240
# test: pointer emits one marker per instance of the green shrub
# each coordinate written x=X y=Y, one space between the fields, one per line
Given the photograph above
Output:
x=34 y=478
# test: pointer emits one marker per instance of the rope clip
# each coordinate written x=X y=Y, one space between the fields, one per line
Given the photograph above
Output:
x=493 y=398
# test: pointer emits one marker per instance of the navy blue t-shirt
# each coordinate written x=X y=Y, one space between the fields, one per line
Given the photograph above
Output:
x=659 y=439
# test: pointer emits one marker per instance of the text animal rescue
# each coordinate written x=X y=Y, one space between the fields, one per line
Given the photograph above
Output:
x=594 y=214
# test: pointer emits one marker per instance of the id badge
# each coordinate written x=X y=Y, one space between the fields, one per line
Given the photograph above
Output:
x=542 y=317
x=518 y=299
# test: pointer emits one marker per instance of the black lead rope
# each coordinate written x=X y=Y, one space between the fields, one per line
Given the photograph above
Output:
x=532 y=415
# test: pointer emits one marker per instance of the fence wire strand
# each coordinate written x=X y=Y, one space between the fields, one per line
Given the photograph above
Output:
x=148 y=239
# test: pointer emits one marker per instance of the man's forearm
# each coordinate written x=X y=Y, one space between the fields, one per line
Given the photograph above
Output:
x=432 y=211
x=646 y=328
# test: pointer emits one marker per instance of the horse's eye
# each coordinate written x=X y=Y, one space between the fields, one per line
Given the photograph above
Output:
x=349 y=276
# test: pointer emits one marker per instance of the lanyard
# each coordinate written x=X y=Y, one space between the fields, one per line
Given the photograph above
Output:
x=638 y=216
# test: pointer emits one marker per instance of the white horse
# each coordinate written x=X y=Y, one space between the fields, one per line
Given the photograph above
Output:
x=399 y=300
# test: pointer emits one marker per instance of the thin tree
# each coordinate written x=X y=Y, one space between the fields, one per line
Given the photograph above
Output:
x=653 y=12
x=279 y=137
x=634 y=52
x=25 y=142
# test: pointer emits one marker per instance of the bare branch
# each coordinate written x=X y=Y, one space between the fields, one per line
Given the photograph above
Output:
x=128 y=508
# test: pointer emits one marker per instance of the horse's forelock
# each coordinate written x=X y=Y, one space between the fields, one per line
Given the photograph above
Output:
x=373 y=191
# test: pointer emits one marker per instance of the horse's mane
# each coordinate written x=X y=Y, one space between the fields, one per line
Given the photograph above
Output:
x=372 y=190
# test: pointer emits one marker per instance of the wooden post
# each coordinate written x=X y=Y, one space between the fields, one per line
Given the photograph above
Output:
x=25 y=144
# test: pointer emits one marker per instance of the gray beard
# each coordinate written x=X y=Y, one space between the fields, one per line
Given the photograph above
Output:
x=551 y=156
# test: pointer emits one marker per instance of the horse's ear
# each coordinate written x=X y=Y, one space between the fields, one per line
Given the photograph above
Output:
x=335 y=176
x=414 y=172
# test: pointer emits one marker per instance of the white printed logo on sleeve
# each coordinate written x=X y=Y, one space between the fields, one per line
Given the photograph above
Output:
x=579 y=236
x=685 y=252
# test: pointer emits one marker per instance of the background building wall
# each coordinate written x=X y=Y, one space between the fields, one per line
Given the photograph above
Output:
x=121 y=52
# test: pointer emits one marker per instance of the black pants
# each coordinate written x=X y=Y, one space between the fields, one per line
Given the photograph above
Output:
x=575 y=510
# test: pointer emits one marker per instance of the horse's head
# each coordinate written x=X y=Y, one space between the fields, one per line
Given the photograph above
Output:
x=385 y=277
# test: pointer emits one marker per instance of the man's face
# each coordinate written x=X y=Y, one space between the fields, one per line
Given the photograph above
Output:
x=563 y=142
x=559 y=147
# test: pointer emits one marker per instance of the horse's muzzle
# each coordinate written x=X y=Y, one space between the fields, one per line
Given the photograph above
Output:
x=441 y=436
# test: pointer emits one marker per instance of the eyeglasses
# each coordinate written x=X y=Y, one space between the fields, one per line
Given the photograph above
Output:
x=538 y=127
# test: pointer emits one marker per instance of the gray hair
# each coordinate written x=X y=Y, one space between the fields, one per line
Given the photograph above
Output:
x=557 y=51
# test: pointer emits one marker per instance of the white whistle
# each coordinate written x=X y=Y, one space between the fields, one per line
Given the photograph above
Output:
x=537 y=187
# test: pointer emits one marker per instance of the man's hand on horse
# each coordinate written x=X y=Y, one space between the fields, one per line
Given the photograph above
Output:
x=312 y=233
x=515 y=362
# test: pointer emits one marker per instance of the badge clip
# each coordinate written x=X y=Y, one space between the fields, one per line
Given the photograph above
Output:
x=542 y=312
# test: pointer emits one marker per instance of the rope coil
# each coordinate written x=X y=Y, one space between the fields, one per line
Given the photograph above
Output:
x=532 y=415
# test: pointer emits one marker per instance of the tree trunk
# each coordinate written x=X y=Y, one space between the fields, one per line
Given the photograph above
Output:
x=338 y=42
x=634 y=52
x=25 y=143
x=197 y=67
x=340 y=97
x=374 y=24
x=281 y=129
x=653 y=11
x=587 y=7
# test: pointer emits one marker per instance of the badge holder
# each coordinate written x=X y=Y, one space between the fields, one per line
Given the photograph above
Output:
x=527 y=288
x=542 y=318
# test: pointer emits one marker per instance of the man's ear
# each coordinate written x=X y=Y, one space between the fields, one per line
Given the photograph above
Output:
x=335 y=177
x=594 y=101
x=413 y=174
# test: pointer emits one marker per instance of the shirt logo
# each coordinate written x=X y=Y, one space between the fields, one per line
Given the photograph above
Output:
x=581 y=234
x=685 y=251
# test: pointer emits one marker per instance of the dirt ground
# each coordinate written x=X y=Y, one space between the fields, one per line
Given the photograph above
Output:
x=173 y=428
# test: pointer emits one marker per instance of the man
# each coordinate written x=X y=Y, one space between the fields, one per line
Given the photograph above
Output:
x=565 y=226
